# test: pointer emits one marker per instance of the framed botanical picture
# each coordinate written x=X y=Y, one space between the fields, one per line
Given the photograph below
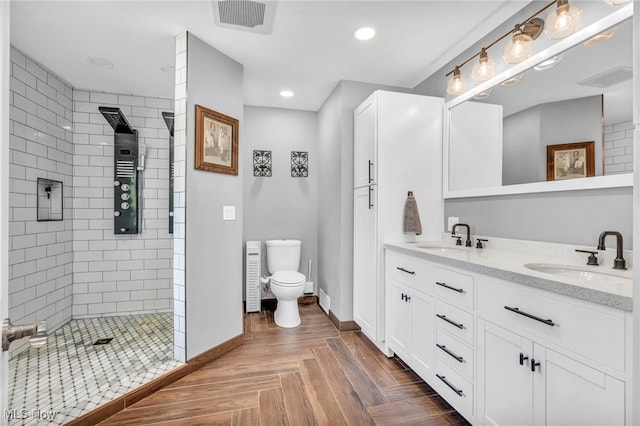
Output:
x=570 y=160
x=216 y=142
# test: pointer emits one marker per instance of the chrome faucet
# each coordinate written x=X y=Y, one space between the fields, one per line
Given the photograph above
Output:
x=619 y=262
x=453 y=232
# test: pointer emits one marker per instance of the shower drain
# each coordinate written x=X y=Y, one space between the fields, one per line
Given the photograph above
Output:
x=104 y=341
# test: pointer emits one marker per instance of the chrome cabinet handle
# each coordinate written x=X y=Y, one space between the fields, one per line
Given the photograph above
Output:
x=370 y=192
x=451 y=354
x=455 y=324
x=370 y=165
x=446 y=382
x=548 y=322
x=459 y=290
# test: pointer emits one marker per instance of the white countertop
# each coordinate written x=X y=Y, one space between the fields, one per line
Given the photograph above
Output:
x=505 y=259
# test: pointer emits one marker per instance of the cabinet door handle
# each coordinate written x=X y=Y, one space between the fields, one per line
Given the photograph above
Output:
x=370 y=165
x=370 y=193
x=446 y=382
x=549 y=322
x=405 y=297
x=523 y=358
x=534 y=364
x=451 y=354
x=459 y=290
x=444 y=317
x=400 y=268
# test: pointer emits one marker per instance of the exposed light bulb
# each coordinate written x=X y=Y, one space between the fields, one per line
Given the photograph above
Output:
x=484 y=69
x=563 y=21
x=456 y=85
x=518 y=48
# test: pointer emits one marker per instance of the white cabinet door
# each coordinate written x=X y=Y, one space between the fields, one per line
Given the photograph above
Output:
x=365 y=271
x=507 y=381
x=423 y=333
x=568 y=392
x=399 y=317
x=364 y=149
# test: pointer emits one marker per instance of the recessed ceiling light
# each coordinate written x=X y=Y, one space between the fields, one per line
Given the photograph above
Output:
x=286 y=93
x=100 y=62
x=600 y=38
x=168 y=69
x=512 y=81
x=549 y=63
x=483 y=95
x=364 y=33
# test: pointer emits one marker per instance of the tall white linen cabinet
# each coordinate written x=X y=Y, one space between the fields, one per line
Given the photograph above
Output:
x=397 y=148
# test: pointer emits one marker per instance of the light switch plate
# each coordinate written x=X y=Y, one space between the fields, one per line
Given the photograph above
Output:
x=229 y=213
x=452 y=220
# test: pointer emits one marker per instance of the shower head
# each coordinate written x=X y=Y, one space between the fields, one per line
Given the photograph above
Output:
x=116 y=119
x=168 y=120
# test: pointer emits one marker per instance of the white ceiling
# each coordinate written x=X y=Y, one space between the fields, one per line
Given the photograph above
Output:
x=309 y=50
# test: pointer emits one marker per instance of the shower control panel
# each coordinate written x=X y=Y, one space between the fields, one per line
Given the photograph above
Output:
x=125 y=183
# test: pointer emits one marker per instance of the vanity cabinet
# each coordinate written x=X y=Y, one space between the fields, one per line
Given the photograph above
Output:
x=410 y=332
x=546 y=359
x=526 y=383
x=503 y=353
x=397 y=148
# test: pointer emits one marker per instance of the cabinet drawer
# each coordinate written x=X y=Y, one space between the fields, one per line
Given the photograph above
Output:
x=454 y=388
x=454 y=287
x=456 y=321
x=455 y=353
x=584 y=328
x=410 y=270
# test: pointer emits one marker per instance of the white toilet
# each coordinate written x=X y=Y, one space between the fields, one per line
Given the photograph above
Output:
x=287 y=284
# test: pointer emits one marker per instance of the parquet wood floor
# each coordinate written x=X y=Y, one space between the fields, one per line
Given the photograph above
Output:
x=309 y=375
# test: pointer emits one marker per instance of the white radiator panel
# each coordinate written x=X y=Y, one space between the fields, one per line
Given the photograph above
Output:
x=252 y=267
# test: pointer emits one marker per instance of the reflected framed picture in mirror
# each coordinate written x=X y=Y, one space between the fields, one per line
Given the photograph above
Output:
x=570 y=160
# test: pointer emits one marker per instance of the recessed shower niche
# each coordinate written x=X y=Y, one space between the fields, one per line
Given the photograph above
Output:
x=49 y=200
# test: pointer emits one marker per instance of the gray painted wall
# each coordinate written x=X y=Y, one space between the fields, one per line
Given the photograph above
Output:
x=213 y=246
x=281 y=206
x=527 y=134
x=570 y=217
x=335 y=193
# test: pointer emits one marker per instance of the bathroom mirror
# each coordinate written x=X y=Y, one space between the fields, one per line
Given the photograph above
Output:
x=497 y=134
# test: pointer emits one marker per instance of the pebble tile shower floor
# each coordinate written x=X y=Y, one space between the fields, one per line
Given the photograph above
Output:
x=70 y=376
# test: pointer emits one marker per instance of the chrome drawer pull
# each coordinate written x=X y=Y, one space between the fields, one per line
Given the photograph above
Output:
x=459 y=290
x=549 y=322
x=400 y=268
x=451 y=354
x=453 y=388
x=444 y=317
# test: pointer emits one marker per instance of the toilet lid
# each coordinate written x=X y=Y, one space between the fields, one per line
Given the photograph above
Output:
x=288 y=277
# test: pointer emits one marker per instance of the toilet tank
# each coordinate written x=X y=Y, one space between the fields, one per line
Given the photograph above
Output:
x=283 y=255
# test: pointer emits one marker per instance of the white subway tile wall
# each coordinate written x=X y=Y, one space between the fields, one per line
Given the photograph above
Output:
x=180 y=135
x=618 y=148
x=77 y=267
x=120 y=274
x=40 y=253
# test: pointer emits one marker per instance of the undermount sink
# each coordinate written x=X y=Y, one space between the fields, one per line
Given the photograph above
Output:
x=442 y=248
x=579 y=272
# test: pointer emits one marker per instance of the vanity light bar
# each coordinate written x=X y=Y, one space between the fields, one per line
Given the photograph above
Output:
x=523 y=35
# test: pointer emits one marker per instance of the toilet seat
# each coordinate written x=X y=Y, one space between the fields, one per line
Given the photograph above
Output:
x=288 y=278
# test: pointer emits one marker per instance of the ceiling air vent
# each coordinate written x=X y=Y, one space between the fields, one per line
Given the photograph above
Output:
x=609 y=78
x=244 y=15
